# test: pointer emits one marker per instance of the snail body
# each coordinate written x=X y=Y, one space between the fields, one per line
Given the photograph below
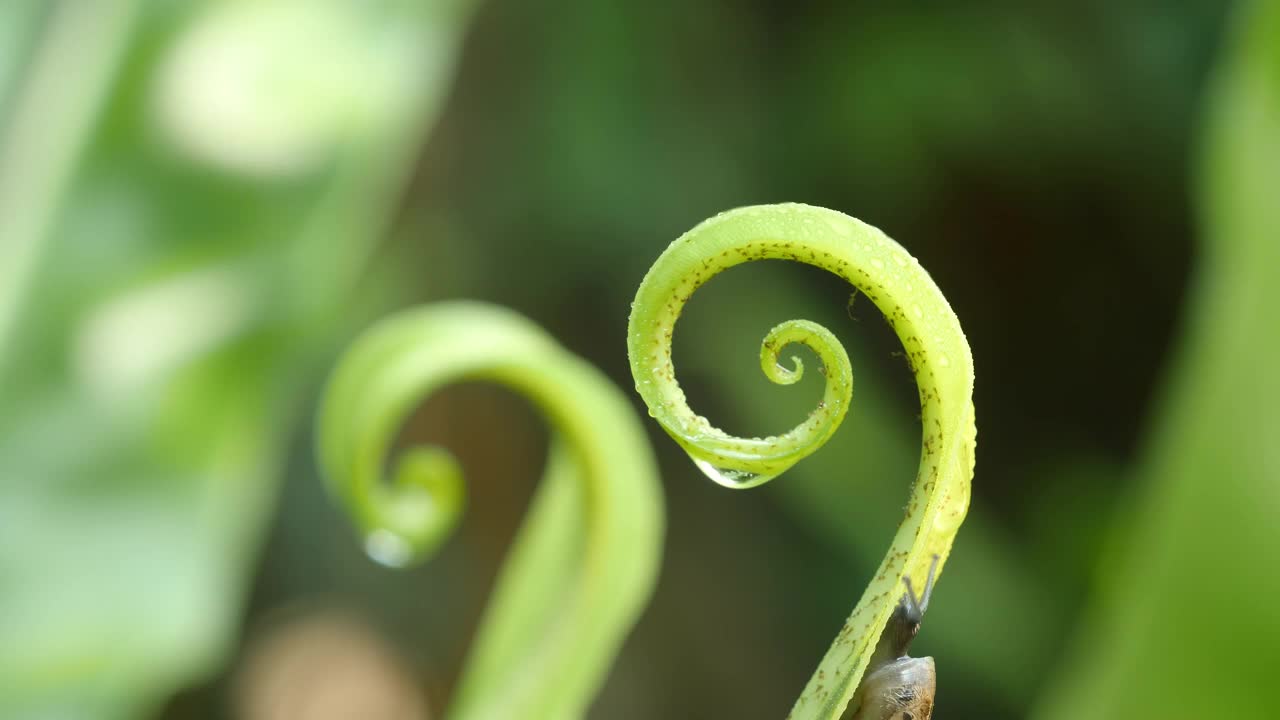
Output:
x=897 y=686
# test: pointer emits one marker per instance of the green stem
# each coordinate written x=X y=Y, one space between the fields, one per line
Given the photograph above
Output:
x=587 y=554
x=935 y=347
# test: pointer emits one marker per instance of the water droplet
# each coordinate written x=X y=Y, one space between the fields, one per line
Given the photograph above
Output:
x=944 y=361
x=839 y=227
x=901 y=260
x=915 y=310
x=387 y=548
x=877 y=263
x=730 y=478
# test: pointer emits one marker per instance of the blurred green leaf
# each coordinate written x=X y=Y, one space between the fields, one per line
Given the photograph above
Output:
x=1185 y=623
x=185 y=259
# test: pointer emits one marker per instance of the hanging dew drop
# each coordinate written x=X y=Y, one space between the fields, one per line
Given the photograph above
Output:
x=735 y=479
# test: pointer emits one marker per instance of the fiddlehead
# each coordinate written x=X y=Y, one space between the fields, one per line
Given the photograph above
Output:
x=587 y=554
x=935 y=348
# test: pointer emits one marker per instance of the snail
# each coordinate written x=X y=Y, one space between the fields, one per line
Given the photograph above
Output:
x=898 y=687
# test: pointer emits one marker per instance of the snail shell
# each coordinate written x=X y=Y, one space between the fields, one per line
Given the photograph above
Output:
x=903 y=689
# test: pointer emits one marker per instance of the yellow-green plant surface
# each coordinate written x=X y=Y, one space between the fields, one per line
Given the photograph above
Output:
x=586 y=557
x=1186 y=625
x=935 y=347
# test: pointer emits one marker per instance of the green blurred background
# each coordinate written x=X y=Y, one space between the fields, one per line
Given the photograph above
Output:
x=201 y=203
